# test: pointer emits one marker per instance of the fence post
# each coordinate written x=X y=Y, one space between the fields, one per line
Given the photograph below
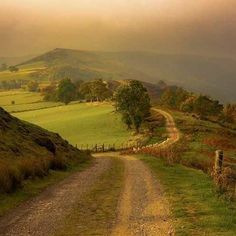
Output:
x=103 y=148
x=219 y=158
x=96 y=148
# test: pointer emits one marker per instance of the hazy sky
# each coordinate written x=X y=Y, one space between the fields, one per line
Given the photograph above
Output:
x=173 y=26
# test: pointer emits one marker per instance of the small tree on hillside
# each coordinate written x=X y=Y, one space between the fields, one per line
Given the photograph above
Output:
x=205 y=106
x=95 y=90
x=229 y=114
x=13 y=68
x=33 y=86
x=66 y=91
x=133 y=102
x=3 y=67
x=49 y=92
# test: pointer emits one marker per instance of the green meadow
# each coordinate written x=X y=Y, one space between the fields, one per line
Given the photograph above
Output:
x=23 y=101
x=86 y=124
x=79 y=123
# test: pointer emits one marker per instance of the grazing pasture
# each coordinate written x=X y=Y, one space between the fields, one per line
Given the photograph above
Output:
x=23 y=101
x=81 y=124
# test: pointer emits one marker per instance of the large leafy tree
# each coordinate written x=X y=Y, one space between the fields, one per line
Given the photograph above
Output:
x=95 y=90
x=66 y=91
x=133 y=102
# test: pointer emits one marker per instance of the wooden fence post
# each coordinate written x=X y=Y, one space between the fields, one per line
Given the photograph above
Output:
x=219 y=159
x=103 y=148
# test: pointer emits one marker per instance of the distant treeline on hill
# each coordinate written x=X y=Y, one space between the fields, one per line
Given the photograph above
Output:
x=67 y=91
x=201 y=105
x=12 y=84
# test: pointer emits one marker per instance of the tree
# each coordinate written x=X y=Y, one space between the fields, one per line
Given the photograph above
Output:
x=133 y=102
x=33 y=86
x=205 y=106
x=3 y=67
x=49 y=92
x=66 y=91
x=173 y=97
x=13 y=68
x=229 y=114
x=95 y=90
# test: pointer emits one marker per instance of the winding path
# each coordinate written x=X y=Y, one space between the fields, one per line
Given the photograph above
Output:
x=142 y=209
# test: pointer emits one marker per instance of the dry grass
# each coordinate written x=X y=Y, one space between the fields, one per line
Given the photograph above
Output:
x=12 y=176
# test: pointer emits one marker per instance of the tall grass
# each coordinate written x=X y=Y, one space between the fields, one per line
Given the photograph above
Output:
x=12 y=176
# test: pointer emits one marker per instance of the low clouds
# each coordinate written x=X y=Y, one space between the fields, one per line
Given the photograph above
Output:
x=173 y=26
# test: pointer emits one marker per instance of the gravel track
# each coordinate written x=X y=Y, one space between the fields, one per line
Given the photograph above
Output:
x=143 y=209
x=43 y=215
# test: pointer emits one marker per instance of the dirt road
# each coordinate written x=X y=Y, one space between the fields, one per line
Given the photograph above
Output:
x=142 y=208
x=43 y=215
x=173 y=132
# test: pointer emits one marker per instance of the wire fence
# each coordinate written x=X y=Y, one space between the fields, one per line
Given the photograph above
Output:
x=95 y=148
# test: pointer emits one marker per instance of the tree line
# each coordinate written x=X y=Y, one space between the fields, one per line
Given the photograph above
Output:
x=203 y=106
x=4 y=67
x=131 y=99
x=67 y=91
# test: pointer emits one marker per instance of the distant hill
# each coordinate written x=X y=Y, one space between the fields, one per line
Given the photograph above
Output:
x=209 y=75
x=15 y=60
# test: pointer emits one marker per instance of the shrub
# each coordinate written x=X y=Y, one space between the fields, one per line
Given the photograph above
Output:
x=58 y=163
x=10 y=178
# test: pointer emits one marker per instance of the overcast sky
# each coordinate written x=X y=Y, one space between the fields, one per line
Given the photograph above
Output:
x=167 y=26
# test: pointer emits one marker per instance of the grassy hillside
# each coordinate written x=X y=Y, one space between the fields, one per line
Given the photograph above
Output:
x=195 y=205
x=23 y=101
x=203 y=138
x=28 y=151
x=81 y=123
x=198 y=73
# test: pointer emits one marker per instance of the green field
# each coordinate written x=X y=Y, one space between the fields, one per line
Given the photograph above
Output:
x=86 y=124
x=81 y=124
x=24 y=101
x=24 y=72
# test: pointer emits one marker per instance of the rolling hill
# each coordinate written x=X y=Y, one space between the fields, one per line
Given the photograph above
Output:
x=208 y=75
x=15 y=60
